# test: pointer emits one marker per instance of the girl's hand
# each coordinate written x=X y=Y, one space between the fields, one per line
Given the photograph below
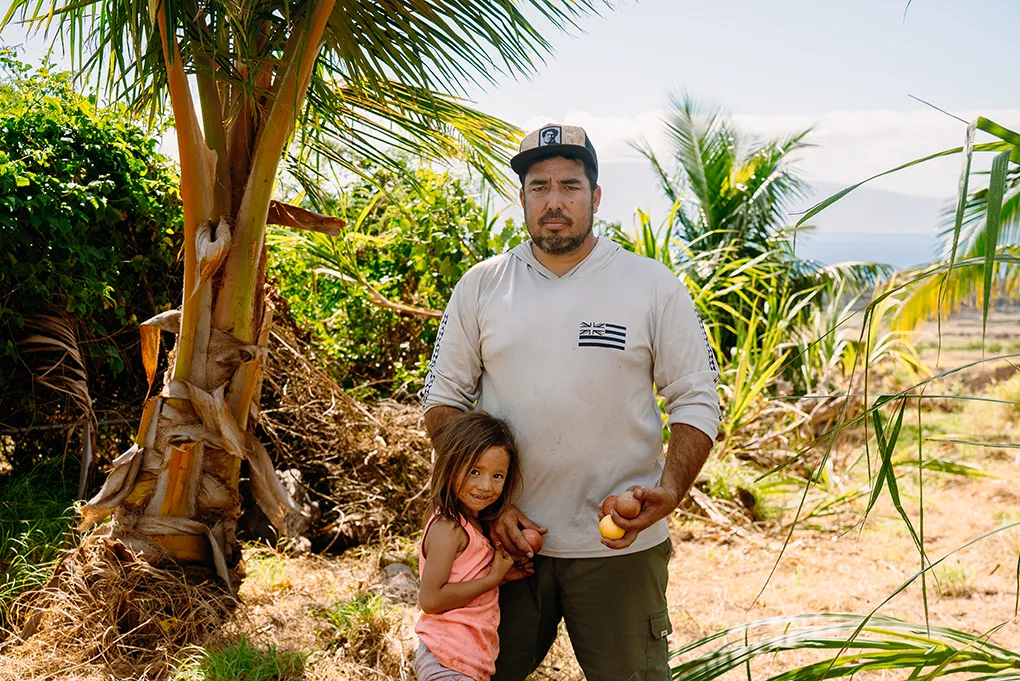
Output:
x=502 y=563
x=518 y=572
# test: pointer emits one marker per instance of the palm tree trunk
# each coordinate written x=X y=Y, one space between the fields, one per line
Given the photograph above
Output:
x=174 y=494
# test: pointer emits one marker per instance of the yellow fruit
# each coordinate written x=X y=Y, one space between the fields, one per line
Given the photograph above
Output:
x=609 y=529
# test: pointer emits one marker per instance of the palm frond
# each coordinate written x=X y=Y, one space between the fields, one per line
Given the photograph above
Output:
x=772 y=185
x=432 y=44
x=932 y=290
x=862 y=644
x=61 y=368
x=391 y=120
x=735 y=189
x=698 y=142
x=973 y=229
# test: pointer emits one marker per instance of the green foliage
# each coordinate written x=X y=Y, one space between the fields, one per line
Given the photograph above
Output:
x=89 y=221
x=88 y=210
x=727 y=237
x=388 y=75
x=408 y=240
x=360 y=627
x=871 y=643
x=955 y=580
x=887 y=645
x=265 y=568
x=733 y=191
x=729 y=478
x=349 y=617
x=35 y=526
x=241 y=662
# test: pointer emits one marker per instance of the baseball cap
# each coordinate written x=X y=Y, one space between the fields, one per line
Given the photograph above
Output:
x=555 y=140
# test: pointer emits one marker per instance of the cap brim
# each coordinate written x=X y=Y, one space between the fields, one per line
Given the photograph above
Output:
x=524 y=160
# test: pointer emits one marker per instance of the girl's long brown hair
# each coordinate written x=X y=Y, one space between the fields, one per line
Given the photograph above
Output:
x=458 y=446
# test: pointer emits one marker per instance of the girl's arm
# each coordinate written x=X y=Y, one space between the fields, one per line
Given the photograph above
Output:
x=437 y=593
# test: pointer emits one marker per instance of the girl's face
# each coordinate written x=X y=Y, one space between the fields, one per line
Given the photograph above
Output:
x=482 y=485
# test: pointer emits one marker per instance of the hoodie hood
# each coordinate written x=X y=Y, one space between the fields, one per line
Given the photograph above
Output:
x=605 y=252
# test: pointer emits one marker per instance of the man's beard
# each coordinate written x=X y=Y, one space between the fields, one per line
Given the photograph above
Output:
x=558 y=244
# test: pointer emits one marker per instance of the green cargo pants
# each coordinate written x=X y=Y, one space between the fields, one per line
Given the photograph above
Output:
x=614 y=609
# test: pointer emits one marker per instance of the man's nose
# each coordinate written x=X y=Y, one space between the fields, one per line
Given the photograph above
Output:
x=556 y=200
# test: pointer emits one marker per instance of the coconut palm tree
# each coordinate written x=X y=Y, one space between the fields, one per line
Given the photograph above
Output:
x=732 y=196
x=309 y=81
x=733 y=191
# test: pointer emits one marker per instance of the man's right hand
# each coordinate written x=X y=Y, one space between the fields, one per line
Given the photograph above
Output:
x=507 y=531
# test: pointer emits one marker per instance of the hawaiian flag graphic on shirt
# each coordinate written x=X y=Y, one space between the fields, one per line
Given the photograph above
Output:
x=602 y=335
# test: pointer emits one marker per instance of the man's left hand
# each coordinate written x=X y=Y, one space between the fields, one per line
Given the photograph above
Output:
x=656 y=504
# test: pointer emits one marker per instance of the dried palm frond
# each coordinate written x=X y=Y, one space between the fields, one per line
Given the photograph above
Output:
x=61 y=368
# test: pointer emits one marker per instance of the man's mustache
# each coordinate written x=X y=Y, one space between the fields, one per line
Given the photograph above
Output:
x=556 y=216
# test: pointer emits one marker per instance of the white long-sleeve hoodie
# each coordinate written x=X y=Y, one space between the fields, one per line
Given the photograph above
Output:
x=572 y=363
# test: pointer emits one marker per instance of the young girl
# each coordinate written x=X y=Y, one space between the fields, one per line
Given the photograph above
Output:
x=474 y=478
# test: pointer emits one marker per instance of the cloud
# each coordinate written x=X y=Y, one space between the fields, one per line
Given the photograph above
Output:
x=850 y=145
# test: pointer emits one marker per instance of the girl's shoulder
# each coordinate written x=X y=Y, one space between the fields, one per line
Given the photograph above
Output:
x=445 y=530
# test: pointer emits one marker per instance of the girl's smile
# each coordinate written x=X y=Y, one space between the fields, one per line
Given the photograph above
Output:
x=482 y=485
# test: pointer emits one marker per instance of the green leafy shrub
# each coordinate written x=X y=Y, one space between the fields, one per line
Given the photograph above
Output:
x=88 y=210
x=410 y=240
x=89 y=215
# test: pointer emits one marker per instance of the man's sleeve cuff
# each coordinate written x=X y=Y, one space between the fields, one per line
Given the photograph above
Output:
x=440 y=401
x=705 y=420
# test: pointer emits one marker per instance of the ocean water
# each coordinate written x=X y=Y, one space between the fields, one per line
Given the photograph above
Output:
x=899 y=249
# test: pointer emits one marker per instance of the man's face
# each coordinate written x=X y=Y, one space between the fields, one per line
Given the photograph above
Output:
x=549 y=136
x=559 y=205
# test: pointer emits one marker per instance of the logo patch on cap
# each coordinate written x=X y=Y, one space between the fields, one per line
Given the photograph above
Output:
x=549 y=136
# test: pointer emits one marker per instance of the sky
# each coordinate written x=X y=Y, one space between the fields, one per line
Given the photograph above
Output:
x=846 y=67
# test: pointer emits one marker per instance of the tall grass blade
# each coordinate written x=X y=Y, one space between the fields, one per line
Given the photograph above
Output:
x=887 y=447
x=892 y=645
x=1003 y=133
x=996 y=189
x=913 y=578
x=825 y=203
x=961 y=204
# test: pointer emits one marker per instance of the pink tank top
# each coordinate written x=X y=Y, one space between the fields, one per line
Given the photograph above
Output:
x=465 y=639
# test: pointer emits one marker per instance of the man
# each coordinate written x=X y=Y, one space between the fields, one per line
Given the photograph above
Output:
x=567 y=336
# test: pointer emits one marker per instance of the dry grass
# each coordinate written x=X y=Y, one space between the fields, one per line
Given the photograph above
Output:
x=362 y=467
x=333 y=609
x=105 y=614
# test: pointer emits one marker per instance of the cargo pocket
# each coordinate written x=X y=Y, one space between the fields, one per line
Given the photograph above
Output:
x=659 y=625
x=658 y=649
